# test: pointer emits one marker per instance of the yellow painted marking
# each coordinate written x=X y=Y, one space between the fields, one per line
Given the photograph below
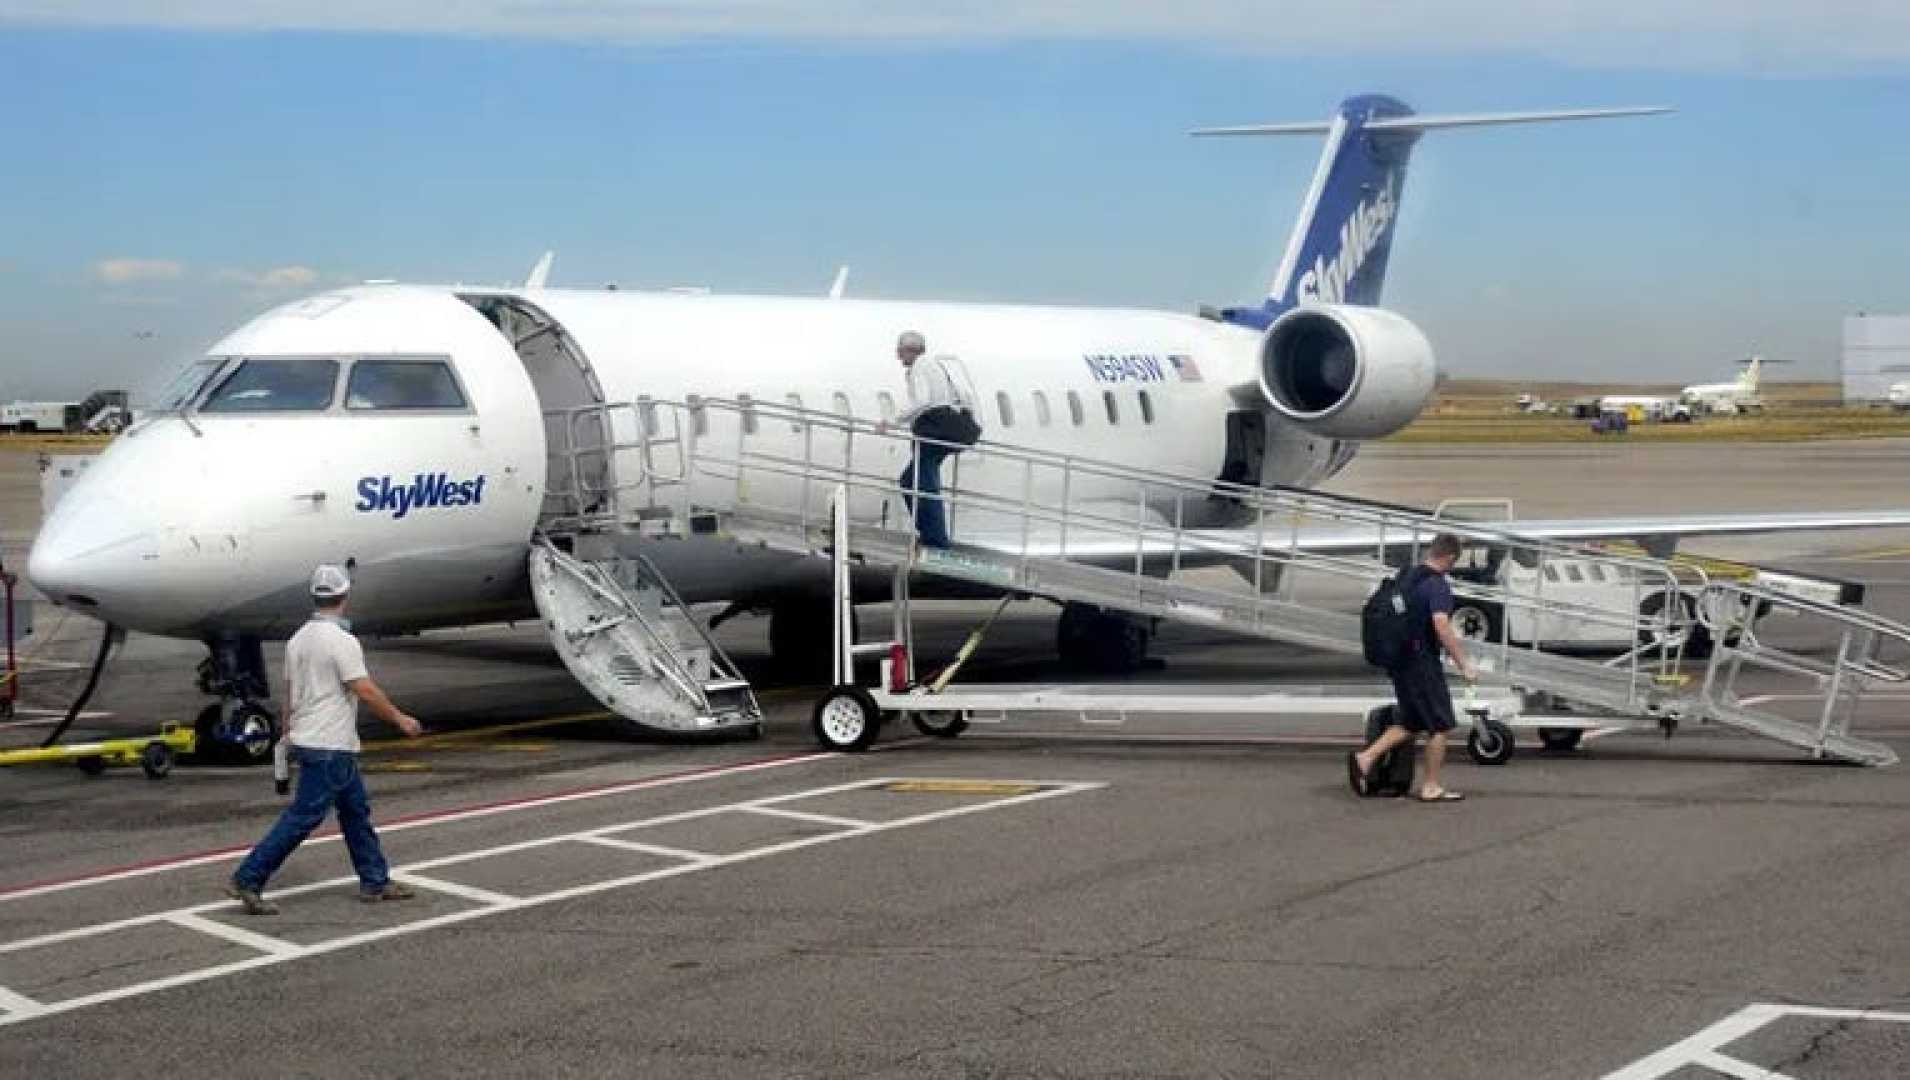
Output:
x=398 y=766
x=960 y=787
x=476 y=734
x=1882 y=553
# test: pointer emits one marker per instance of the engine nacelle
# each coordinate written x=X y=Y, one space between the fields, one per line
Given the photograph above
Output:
x=1347 y=372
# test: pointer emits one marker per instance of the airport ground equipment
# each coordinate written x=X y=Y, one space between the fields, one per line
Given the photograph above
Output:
x=154 y=754
x=628 y=637
x=849 y=716
x=14 y=622
x=1119 y=538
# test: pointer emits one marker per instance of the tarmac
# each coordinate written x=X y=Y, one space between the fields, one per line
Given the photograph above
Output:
x=1155 y=900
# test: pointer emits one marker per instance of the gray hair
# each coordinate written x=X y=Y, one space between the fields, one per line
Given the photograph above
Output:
x=911 y=340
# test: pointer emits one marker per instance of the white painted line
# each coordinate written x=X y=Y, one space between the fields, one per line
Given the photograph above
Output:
x=456 y=888
x=648 y=849
x=235 y=854
x=1048 y=790
x=1742 y=1070
x=1702 y=1049
x=235 y=934
x=19 y=1005
x=1761 y=699
x=800 y=815
x=1679 y=1054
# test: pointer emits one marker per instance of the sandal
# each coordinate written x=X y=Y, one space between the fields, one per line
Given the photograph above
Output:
x=1442 y=795
x=1360 y=780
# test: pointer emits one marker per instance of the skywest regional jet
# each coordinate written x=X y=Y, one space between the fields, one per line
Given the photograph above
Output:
x=400 y=428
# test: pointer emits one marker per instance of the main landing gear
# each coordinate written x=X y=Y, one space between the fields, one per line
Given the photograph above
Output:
x=1111 y=642
x=238 y=729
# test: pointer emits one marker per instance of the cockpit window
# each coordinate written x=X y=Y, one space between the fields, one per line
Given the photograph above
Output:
x=403 y=384
x=276 y=384
x=185 y=386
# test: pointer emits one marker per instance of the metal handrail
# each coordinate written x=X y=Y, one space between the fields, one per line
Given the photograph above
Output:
x=1162 y=537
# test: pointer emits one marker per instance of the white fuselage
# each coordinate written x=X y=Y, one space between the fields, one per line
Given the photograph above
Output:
x=208 y=522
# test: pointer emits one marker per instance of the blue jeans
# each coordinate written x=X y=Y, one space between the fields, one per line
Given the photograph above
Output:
x=931 y=522
x=326 y=778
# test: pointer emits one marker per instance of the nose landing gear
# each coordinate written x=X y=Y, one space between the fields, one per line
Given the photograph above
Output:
x=238 y=729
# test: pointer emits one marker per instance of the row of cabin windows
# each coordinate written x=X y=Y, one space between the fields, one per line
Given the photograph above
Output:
x=885 y=408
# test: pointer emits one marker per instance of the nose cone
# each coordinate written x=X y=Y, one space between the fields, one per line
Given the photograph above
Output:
x=90 y=552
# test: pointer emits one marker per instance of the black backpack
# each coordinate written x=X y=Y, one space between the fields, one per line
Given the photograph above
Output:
x=1389 y=632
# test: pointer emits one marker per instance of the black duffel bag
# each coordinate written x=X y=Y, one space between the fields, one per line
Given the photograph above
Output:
x=947 y=424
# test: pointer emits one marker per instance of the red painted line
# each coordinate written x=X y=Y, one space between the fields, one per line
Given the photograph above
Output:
x=407 y=821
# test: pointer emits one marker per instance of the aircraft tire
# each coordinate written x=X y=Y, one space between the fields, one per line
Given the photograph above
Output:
x=801 y=638
x=1561 y=740
x=1111 y=642
x=940 y=723
x=846 y=720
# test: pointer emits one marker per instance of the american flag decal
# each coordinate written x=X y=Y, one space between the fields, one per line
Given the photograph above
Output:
x=1184 y=366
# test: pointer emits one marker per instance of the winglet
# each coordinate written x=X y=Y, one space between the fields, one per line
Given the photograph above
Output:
x=841 y=282
x=541 y=272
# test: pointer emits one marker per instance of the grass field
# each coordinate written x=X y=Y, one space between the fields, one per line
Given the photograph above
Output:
x=1482 y=410
x=52 y=444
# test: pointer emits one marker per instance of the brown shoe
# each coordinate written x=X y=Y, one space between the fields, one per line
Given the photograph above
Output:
x=251 y=900
x=393 y=890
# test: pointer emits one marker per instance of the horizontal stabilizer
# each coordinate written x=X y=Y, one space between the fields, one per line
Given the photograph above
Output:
x=1433 y=123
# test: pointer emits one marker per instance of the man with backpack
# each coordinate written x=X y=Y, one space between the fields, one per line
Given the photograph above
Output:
x=1405 y=624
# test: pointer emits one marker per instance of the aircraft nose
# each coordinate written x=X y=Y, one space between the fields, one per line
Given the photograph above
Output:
x=89 y=553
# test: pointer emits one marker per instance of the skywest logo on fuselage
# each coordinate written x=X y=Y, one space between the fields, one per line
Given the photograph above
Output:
x=1126 y=367
x=378 y=495
x=1360 y=233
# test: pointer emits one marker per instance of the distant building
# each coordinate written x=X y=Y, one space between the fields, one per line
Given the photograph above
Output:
x=1876 y=355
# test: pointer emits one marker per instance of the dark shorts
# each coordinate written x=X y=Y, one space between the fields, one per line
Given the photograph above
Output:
x=1425 y=701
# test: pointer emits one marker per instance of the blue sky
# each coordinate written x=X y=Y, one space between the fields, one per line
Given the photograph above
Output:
x=163 y=182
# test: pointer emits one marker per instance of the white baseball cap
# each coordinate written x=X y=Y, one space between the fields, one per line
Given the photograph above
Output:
x=329 y=580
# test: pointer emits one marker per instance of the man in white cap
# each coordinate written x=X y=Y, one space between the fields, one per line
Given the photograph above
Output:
x=326 y=667
x=939 y=413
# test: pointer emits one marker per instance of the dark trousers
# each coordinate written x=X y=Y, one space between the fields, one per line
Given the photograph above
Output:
x=923 y=494
x=326 y=779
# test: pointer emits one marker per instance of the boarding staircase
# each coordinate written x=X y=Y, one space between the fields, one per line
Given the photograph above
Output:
x=1148 y=543
x=628 y=638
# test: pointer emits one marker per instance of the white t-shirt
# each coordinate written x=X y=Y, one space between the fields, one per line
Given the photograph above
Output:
x=320 y=659
x=931 y=382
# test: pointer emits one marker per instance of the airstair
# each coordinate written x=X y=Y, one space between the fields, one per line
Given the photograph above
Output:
x=631 y=641
x=1287 y=565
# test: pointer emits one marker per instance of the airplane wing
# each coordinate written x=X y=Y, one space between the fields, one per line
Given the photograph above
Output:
x=1658 y=535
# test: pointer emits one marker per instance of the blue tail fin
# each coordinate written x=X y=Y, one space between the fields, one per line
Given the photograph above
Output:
x=1339 y=247
x=1344 y=237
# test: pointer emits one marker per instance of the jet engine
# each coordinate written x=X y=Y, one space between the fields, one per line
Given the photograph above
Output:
x=1346 y=372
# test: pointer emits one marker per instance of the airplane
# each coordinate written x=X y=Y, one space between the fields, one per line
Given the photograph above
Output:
x=1738 y=395
x=401 y=429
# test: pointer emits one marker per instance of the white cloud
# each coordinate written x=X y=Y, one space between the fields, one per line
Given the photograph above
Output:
x=129 y=271
x=1743 y=34
x=277 y=279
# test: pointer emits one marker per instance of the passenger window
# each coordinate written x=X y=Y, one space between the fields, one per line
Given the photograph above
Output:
x=1595 y=572
x=403 y=384
x=699 y=415
x=1114 y=410
x=795 y=402
x=1074 y=409
x=1042 y=415
x=1005 y=407
x=749 y=413
x=1573 y=574
x=281 y=384
x=1147 y=408
x=885 y=405
x=1551 y=572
